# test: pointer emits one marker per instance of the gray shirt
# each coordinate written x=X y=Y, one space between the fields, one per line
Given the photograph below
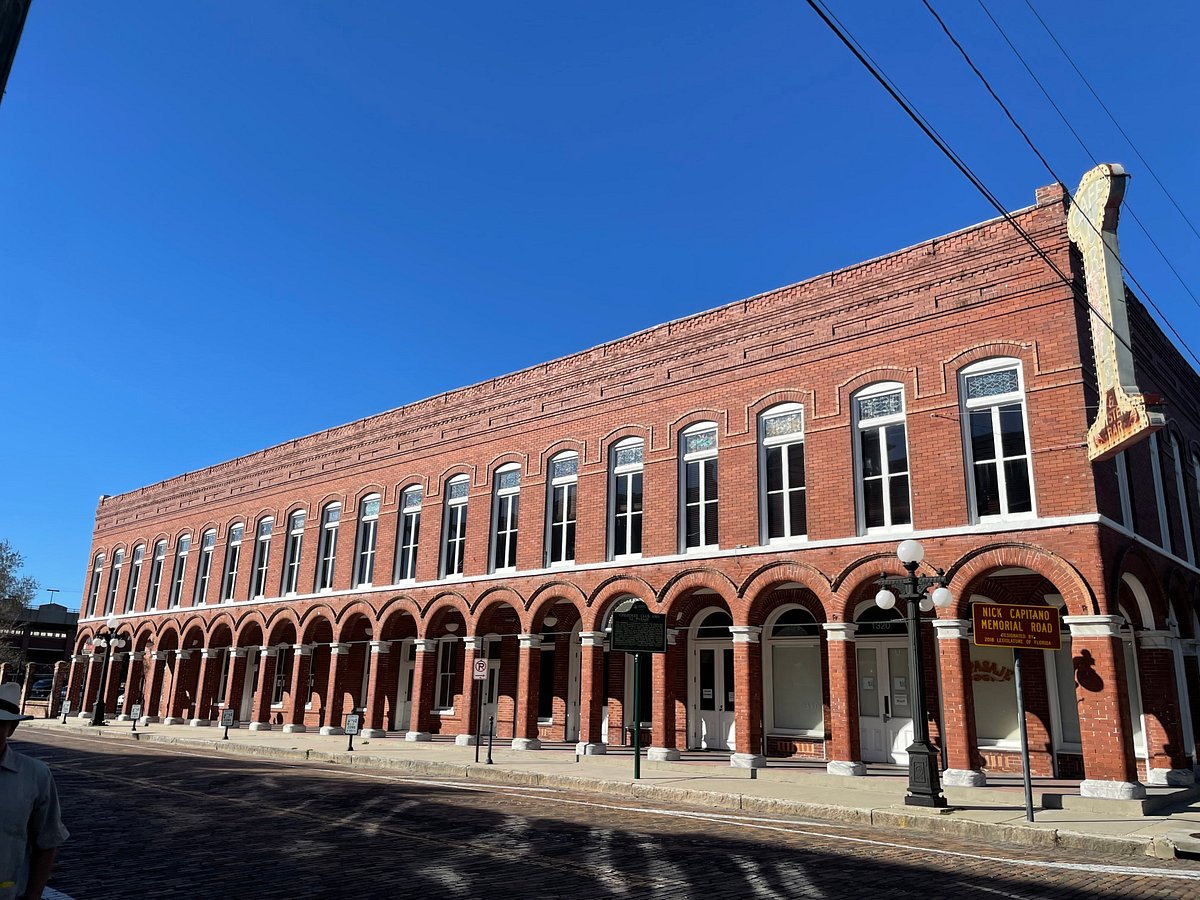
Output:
x=29 y=817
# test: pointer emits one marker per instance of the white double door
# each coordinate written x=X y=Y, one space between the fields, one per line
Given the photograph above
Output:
x=712 y=702
x=884 y=700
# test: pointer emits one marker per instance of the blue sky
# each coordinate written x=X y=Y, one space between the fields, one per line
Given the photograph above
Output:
x=226 y=225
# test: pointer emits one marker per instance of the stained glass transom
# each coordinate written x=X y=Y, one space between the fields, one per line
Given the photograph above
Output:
x=457 y=490
x=333 y=515
x=701 y=441
x=565 y=467
x=264 y=528
x=235 y=534
x=989 y=384
x=371 y=508
x=880 y=405
x=628 y=456
x=138 y=554
x=297 y=522
x=784 y=424
x=209 y=540
x=184 y=543
x=509 y=480
x=413 y=498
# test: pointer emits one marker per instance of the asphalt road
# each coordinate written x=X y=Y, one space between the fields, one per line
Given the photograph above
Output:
x=155 y=821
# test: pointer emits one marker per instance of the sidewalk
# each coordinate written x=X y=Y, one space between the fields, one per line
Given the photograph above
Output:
x=994 y=813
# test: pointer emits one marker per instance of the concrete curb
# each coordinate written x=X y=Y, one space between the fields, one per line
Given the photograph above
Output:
x=898 y=817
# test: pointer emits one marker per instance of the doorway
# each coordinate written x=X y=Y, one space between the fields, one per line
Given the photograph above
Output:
x=402 y=718
x=711 y=686
x=884 y=701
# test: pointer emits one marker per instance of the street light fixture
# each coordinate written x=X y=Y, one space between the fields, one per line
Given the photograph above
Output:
x=924 y=785
x=108 y=640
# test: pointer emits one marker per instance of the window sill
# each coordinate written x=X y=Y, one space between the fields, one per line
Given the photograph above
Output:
x=549 y=721
x=799 y=735
x=445 y=711
x=703 y=548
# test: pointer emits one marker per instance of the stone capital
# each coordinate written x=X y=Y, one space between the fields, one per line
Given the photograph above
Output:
x=745 y=634
x=672 y=636
x=268 y=651
x=839 y=631
x=237 y=653
x=182 y=654
x=381 y=646
x=1156 y=640
x=210 y=652
x=474 y=642
x=951 y=629
x=339 y=649
x=530 y=641
x=302 y=649
x=591 y=638
x=425 y=645
x=1094 y=626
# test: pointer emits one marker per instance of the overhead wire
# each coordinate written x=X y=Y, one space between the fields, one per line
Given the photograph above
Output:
x=1070 y=197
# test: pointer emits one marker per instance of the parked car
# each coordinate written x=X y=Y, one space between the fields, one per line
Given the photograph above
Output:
x=40 y=689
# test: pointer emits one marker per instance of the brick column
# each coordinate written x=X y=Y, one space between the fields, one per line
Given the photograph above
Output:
x=56 y=683
x=27 y=683
x=525 y=733
x=1169 y=762
x=662 y=718
x=301 y=663
x=75 y=679
x=112 y=684
x=264 y=689
x=1104 y=723
x=747 y=678
x=845 y=738
x=424 y=686
x=964 y=765
x=133 y=679
x=177 y=689
x=235 y=681
x=376 y=689
x=591 y=694
x=151 y=711
x=206 y=686
x=339 y=656
x=472 y=650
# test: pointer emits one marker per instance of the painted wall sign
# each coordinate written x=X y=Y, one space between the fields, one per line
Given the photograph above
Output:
x=1123 y=417
x=1008 y=625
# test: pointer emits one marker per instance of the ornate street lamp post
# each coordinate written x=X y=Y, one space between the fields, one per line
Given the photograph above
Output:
x=924 y=785
x=107 y=640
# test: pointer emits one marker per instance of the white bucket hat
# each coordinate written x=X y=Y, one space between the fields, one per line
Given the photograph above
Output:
x=10 y=703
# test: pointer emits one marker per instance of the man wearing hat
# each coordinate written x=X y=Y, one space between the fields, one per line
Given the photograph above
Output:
x=31 y=827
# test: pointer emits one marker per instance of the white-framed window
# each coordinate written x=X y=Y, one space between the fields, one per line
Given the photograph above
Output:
x=135 y=576
x=291 y=553
x=782 y=495
x=409 y=535
x=792 y=660
x=94 y=588
x=999 y=472
x=1160 y=493
x=114 y=576
x=208 y=542
x=156 y=571
x=698 y=483
x=1121 y=461
x=625 y=503
x=177 y=574
x=881 y=458
x=447 y=670
x=506 y=507
x=546 y=679
x=1181 y=498
x=331 y=515
x=262 y=555
x=283 y=668
x=233 y=554
x=454 y=529
x=560 y=510
x=368 y=535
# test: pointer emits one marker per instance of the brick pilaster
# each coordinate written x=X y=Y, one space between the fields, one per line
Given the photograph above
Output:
x=747 y=690
x=845 y=739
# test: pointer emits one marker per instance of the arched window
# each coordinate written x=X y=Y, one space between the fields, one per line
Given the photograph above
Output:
x=409 y=534
x=291 y=554
x=716 y=625
x=331 y=515
x=560 y=508
x=135 y=576
x=793 y=673
x=881 y=458
x=233 y=555
x=368 y=533
x=177 y=575
x=625 y=493
x=782 y=498
x=997 y=446
x=454 y=529
x=262 y=555
x=156 y=571
x=94 y=588
x=506 y=506
x=208 y=543
x=698 y=482
x=114 y=576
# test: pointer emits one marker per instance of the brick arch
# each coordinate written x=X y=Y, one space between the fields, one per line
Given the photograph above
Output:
x=973 y=566
x=399 y=604
x=1179 y=589
x=346 y=616
x=762 y=582
x=611 y=590
x=84 y=635
x=676 y=595
x=620 y=433
x=847 y=586
x=193 y=628
x=695 y=417
x=330 y=497
x=165 y=627
x=281 y=615
x=507 y=457
x=563 y=445
x=221 y=619
x=264 y=512
x=874 y=375
x=1134 y=561
x=274 y=630
x=440 y=605
x=497 y=593
x=755 y=408
x=548 y=599
x=143 y=637
x=564 y=590
x=438 y=484
x=1025 y=351
x=312 y=616
x=253 y=618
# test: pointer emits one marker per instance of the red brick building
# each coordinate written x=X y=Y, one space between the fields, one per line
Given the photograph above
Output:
x=748 y=471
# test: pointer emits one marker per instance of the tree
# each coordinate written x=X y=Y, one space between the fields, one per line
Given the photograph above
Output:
x=16 y=594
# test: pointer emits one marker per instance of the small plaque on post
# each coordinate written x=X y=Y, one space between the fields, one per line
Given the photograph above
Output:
x=136 y=712
x=352 y=723
x=227 y=718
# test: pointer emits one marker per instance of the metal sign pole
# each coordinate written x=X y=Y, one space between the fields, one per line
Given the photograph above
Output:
x=1024 y=737
x=479 y=721
x=637 y=716
x=491 y=733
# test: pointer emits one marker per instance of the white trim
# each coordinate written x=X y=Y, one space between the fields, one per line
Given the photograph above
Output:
x=1160 y=497
x=879 y=424
x=993 y=403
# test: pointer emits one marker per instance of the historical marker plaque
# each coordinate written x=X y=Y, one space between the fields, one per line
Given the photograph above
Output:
x=639 y=632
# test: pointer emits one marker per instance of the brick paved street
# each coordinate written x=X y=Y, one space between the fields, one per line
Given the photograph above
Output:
x=154 y=821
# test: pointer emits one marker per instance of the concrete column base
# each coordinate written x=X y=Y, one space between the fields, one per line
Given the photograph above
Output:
x=464 y=740
x=1173 y=777
x=1112 y=790
x=747 y=761
x=585 y=749
x=662 y=754
x=199 y=723
x=373 y=733
x=964 y=778
x=418 y=736
x=294 y=729
x=123 y=718
x=175 y=720
x=841 y=767
x=259 y=726
x=83 y=714
x=526 y=744
x=332 y=729
x=148 y=720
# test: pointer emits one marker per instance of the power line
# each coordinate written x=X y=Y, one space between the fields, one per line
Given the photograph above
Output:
x=877 y=73
x=1086 y=149
x=1113 y=119
x=1070 y=198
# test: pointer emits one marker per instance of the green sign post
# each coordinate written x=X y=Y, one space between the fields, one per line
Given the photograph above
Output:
x=638 y=631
